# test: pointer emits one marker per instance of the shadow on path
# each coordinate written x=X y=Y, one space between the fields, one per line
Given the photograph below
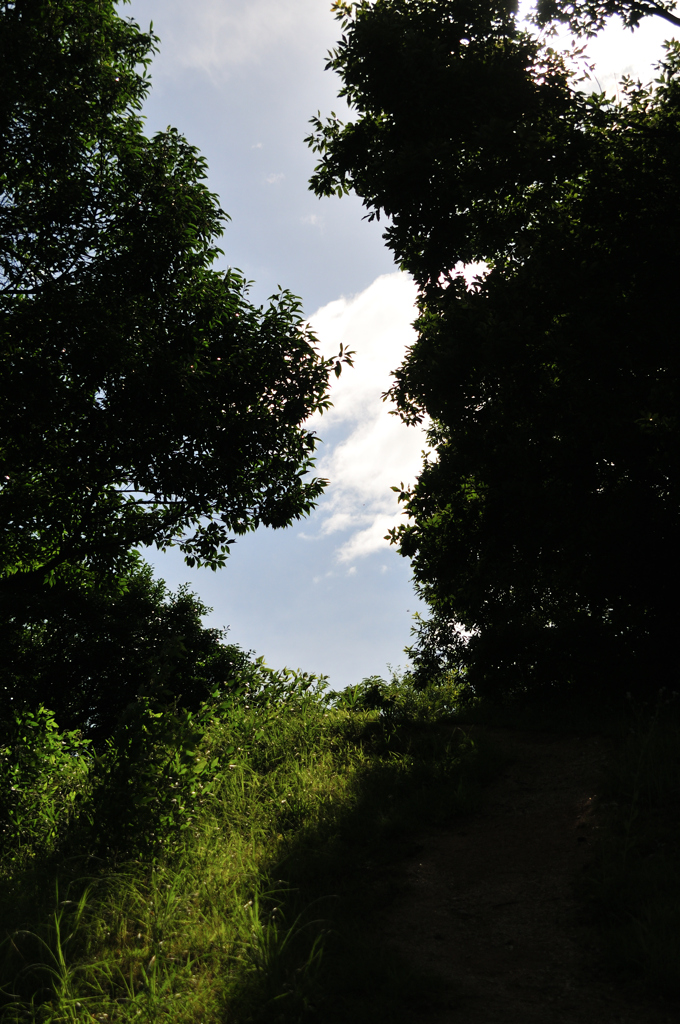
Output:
x=489 y=906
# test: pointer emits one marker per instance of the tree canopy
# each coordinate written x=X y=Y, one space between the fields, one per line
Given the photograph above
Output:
x=544 y=523
x=143 y=398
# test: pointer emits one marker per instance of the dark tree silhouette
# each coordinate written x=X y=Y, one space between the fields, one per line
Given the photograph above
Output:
x=544 y=532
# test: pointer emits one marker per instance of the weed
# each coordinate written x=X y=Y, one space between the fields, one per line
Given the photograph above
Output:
x=226 y=862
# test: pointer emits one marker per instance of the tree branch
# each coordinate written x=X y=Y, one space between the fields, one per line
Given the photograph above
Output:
x=662 y=13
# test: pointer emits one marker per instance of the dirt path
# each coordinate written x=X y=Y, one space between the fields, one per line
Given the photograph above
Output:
x=490 y=906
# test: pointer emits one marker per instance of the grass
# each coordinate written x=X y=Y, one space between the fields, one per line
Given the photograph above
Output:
x=231 y=865
x=227 y=866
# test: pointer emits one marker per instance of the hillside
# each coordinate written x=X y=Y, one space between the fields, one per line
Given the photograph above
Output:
x=382 y=854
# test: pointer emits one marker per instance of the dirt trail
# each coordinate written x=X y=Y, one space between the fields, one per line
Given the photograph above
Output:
x=490 y=906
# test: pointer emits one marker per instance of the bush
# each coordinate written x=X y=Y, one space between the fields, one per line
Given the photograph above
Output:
x=44 y=779
x=399 y=700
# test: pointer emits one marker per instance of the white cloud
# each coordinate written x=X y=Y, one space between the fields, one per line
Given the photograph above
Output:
x=221 y=36
x=365 y=542
x=274 y=179
x=376 y=450
x=376 y=323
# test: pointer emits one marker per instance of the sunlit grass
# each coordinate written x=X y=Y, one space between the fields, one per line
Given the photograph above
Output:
x=248 y=901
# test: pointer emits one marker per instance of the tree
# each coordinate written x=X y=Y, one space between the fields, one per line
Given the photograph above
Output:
x=143 y=399
x=92 y=646
x=544 y=523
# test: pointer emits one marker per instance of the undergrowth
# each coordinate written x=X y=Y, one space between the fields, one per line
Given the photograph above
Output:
x=223 y=864
x=229 y=864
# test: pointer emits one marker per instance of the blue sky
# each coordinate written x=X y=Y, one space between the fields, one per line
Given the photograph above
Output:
x=241 y=78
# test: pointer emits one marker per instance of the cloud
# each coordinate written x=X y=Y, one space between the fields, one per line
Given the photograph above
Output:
x=273 y=179
x=375 y=450
x=219 y=37
x=365 y=542
x=376 y=323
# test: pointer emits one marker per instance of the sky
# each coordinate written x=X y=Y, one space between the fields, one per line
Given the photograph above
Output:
x=241 y=79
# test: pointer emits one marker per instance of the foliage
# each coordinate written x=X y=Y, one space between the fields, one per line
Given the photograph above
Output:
x=251 y=900
x=399 y=702
x=159 y=766
x=93 y=646
x=544 y=523
x=463 y=128
x=139 y=788
x=143 y=399
x=44 y=776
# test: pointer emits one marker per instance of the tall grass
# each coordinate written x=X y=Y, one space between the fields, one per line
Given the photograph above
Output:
x=224 y=866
